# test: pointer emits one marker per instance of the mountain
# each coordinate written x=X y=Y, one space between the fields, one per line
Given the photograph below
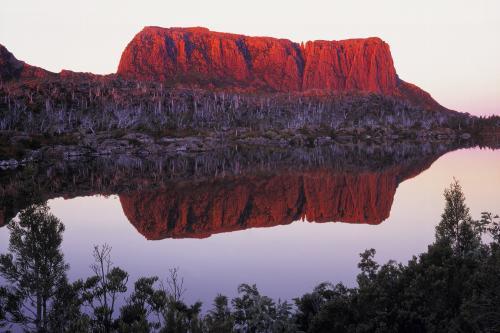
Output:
x=11 y=68
x=187 y=80
x=198 y=56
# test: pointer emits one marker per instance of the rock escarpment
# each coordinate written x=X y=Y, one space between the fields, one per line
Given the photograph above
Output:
x=198 y=56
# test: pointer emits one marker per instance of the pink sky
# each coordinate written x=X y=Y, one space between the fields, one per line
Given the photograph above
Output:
x=449 y=48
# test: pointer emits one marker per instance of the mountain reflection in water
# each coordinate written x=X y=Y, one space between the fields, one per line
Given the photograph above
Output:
x=197 y=195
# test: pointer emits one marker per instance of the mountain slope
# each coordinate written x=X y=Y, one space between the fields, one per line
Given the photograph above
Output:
x=11 y=68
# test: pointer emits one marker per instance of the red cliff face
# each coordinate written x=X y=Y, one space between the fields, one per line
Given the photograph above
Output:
x=202 y=209
x=202 y=57
x=349 y=65
x=198 y=55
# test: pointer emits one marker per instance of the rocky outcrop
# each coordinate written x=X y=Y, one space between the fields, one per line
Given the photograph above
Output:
x=189 y=55
x=11 y=68
x=349 y=65
x=198 y=56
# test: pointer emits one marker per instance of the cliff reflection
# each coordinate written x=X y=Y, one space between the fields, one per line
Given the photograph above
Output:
x=197 y=195
x=320 y=195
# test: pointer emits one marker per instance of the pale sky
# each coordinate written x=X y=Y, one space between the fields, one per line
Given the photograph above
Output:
x=450 y=48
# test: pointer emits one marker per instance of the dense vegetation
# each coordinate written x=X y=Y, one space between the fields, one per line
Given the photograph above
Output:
x=92 y=105
x=453 y=287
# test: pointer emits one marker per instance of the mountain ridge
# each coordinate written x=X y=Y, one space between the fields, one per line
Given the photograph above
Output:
x=201 y=58
x=12 y=68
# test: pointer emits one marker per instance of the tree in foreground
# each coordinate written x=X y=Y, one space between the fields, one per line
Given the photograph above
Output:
x=482 y=309
x=142 y=311
x=254 y=312
x=219 y=319
x=67 y=313
x=452 y=287
x=101 y=291
x=457 y=228
x=34 y=268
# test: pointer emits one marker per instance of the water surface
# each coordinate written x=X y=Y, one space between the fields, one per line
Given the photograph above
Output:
x=285 y=258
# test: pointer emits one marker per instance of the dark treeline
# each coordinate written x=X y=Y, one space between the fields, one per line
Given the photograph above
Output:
x=63 y=106
x=453 y=287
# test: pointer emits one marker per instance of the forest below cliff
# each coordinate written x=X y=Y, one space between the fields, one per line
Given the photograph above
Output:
x=452 y=287
x=55 y=106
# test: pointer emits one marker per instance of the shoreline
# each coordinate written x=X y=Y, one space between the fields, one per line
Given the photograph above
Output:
x=18 y=148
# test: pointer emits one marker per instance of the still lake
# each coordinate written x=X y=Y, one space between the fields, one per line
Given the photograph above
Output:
x=284 y=260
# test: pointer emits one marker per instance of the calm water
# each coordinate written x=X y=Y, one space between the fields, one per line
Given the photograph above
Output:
x=283 y=260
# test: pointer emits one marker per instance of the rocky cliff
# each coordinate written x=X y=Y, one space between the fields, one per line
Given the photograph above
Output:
x=198 y=56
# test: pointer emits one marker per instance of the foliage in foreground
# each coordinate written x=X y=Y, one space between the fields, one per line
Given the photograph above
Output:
x=453 y=287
